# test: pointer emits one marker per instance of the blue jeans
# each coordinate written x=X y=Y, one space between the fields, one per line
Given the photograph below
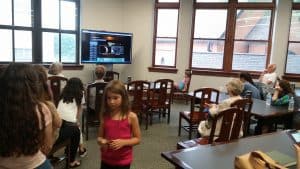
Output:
x=45 y=165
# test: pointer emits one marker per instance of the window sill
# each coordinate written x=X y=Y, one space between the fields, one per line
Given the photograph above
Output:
x=162 y=69
x=254 y=75
x=65 y=66
x=290 y=77
x=69 y=66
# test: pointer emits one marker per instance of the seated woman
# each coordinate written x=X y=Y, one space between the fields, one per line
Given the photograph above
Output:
x=183 y=84
x=26 y=122
x=282 y=93
x=67 y=130
x=234 y=89
x=249 y=85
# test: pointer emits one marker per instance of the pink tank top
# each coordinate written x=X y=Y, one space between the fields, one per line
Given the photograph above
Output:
x=117 y=129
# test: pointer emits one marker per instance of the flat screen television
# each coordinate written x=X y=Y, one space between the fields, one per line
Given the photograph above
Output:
x=103 y=47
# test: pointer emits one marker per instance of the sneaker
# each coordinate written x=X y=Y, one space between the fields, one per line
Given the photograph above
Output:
x=83 y=153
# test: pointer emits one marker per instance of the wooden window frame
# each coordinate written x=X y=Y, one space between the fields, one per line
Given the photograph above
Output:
x=232 y=6
x=37 y=30
x=160 y=68
x=291 y=76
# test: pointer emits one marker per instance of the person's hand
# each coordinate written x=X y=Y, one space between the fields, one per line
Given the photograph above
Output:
x=265 y=71
x=102 y=142
x=116 y=144
x=207 y=105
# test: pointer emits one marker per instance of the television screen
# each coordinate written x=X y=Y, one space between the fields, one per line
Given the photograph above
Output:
x=105 y=47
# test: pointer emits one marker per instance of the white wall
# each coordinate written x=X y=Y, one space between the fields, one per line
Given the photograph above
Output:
x=137 y=16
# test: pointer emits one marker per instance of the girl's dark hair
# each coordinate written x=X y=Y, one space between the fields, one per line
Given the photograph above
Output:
x=247 y=77
x=117 y=87
x=72 y=90
x=286 y=88
x=20 y=130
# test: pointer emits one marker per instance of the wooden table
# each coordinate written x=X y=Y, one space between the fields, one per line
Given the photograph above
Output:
x=270 y=115
x=222 y=156
x=266 y=114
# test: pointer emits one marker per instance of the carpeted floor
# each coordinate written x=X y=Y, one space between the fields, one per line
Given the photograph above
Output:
x=159 y=137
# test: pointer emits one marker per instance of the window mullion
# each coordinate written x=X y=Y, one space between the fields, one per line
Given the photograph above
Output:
x=229 y=39
x=37 y=32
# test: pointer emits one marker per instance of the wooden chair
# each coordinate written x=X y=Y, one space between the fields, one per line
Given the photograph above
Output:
x=138 y=96
x=183 y=95
x=169 y=98
x=57 y=84
x=231 y=123
x=245 y=105
x=196 y=114
x=91 y=115
x=160 y=97
x=65 y=144
x=111 y=75
x=232 y=120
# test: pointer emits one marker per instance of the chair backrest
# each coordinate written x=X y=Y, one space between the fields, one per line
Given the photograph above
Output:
x=111 y=75
x=95 y=93
x=163 y=91
x=232 y=120
x=201 y=97
x=138 y=92
x=56 y=84
x=245 y=105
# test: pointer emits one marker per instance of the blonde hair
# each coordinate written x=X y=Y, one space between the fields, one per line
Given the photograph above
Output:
x=116 y=87
x=235 y=86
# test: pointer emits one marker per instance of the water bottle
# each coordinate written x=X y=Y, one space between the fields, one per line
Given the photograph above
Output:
x=291 y=104
x=268 y=99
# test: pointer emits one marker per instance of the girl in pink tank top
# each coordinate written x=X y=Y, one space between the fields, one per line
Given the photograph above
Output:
x=119 y=129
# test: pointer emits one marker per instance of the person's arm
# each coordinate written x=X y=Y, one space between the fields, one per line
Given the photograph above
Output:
x=186 y=82
x=102 y=142
x=297 y=148
x=48 y=139
x=56 y=120
x=280 y=101
x=260 y=79
x=79 y=111
x=136 y=135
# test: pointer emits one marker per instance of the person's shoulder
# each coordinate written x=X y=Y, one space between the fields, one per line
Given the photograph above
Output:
x=132 y=115
x=50 y=105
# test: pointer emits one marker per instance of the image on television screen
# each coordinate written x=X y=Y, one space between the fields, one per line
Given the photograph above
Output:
x=105 y=47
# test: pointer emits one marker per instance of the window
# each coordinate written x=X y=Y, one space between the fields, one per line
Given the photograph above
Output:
x=39 y=31
x=293 y=53
x=209 y=39
x=251 y=40
x=165 y=34
x=235 y=36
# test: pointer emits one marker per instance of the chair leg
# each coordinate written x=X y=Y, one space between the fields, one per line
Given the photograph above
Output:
x=140 y=116
x=68 y=156
x=190 y=131
x=86 y=132
x=179 y=126
x=147 y=120
x=169 y=111
x=186 y=99
x=82 y=122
